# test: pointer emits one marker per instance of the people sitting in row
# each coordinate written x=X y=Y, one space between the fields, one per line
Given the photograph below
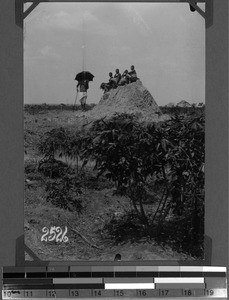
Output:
x=128 y=77
x=118 y=79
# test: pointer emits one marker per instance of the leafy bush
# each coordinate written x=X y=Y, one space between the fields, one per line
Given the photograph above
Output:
x=52 y=168
x=164 y=158
x=53 y=142
x=65 y=193
x=92 y=181
x=61 y=142
x=124 y=228
x=30 y=166
x=172 y=153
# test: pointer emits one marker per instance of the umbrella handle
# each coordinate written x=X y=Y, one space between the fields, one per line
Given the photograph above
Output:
x=75 y=100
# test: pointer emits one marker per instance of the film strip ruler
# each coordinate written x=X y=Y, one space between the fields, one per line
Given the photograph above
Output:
x=113 y=281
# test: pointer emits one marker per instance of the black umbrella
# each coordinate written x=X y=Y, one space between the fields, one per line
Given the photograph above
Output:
x=84 y=75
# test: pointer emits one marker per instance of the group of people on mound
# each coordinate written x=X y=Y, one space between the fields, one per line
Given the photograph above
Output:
x=118 y=79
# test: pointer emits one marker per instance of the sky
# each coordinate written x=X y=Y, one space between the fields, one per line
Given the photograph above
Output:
x=164 y=41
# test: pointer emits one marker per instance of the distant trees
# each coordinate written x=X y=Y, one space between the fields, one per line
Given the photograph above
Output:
x=37 y=108
x=176 y=110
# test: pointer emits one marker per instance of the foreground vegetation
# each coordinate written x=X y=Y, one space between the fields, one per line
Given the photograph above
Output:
x=158 y=169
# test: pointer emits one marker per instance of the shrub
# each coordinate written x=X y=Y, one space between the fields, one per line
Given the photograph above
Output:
x=170 y=153
x=65 y=193
x=52 y=168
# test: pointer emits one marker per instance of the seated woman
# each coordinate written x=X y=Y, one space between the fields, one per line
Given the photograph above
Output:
x=132 y=74
x=112 y=81
x=108 y=86
x=117 y=76
x=124 y=78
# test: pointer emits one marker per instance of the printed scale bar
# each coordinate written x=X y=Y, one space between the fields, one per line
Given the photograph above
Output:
x=140 y=293
x=179 y=280
x=202 y=269
x=87 y=286
x=78 y=268
x=170 y=1
x=108 y=281
x=186 y=286
x=132 y=283
x=113 y=271
x=58 y=281
x=76 y=280
x=139 y=275
x=129 y=286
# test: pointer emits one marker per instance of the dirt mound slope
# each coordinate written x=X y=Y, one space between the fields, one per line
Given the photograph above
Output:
x=132 y=98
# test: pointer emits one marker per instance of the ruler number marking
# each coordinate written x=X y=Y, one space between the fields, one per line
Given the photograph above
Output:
x=7 y=294
x=187 y=293
x=52 y=294
x=209 y=292
x=118 y=293
x=163 y=292
x=97 y=293
x=28 y=293
x=75 y=293
x=142 y=293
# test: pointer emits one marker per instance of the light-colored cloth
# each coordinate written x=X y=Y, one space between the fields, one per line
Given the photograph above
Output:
x=122 y=81
x=82 y=96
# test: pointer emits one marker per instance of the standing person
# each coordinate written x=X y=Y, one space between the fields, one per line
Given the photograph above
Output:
x=117 y=76
x=82 y=88
x=132 y=74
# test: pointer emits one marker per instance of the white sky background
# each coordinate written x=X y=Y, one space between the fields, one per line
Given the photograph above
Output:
x=165 y=42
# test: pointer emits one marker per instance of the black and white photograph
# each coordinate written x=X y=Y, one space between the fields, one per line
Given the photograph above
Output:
x=114 y=131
